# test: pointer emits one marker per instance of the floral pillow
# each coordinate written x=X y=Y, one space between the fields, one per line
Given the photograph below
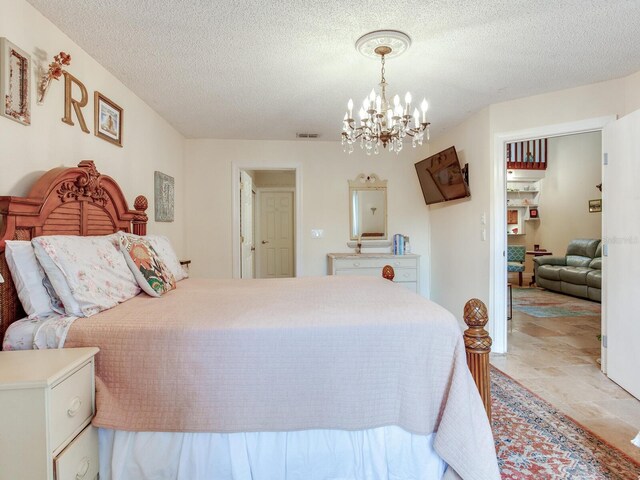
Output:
x=92 y=268
x=149 y=270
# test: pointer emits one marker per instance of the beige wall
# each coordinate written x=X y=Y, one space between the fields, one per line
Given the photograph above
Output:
x=150 y=143
x=459 y=255
x=326 y=170
x=472 y=265
x=570 y=182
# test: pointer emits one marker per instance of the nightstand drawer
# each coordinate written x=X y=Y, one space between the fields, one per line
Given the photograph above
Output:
x=71 y=405
x=79 y=461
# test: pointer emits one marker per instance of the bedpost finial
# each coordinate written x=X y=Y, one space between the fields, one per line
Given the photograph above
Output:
x=475 y=313
x=141 y=203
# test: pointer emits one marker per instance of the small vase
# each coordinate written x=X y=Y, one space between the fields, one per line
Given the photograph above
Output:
x=43 y=89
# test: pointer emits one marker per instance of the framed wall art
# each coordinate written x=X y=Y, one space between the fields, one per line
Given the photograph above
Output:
x=164 y=186
x=15 y=82
x=595 y=205
x=108 y=119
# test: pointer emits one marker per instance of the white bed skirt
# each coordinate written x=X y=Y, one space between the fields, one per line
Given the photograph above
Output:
x=388 y=453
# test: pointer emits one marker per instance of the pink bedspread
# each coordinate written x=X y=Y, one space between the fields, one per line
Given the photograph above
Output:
x=330 y=352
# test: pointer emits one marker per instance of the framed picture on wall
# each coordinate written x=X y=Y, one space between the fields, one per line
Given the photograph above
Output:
x=533 y=213
x=15 y=82
x=512 y=217
x=595 y=205
x=107 y=119
x=164 y=187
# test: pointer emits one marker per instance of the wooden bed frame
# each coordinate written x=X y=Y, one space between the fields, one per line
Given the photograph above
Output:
x=82 y=201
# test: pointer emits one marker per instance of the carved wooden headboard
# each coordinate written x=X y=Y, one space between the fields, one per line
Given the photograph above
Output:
x=64 y=201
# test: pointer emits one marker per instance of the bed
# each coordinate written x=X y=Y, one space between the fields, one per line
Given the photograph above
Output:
x=257 y=379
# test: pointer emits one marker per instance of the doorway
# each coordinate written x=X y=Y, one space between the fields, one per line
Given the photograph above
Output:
x=498 y=305
x=266 y=221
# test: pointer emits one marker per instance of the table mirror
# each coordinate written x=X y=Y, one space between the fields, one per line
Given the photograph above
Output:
x=368 y=208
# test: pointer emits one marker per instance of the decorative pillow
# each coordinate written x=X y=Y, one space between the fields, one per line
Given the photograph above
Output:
x=88 y=273
x=167 y=254
x=30 y=280
x=152 y=274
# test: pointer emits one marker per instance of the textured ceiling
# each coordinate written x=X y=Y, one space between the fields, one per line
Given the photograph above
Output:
x=268 y=69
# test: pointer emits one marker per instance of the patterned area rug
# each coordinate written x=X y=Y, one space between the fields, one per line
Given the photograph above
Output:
x=544 y=304
x=536 y=441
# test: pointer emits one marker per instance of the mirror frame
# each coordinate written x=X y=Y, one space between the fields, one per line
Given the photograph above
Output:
x=367 y=183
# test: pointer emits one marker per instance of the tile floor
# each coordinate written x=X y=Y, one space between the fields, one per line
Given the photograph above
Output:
x=556 y=358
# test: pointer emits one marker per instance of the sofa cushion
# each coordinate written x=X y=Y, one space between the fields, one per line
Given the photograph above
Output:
x=594 y=279
x=575 y=275
x=583 y=247
x=578 y=261
x=594 y=294
x=550 y=272
x=596 y=263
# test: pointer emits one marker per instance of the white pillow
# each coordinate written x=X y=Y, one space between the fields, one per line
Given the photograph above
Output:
x=94 y=271
x=30 y=280
x=167 y=254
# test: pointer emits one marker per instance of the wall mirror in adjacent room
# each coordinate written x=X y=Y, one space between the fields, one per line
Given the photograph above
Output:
x=368 y=208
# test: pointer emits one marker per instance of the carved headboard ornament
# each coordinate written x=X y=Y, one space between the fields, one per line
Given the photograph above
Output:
x=86 y=186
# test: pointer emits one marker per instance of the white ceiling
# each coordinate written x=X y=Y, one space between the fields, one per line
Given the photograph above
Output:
x=268 y=69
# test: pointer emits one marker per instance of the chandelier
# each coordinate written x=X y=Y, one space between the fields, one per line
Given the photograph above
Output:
x=380 y=122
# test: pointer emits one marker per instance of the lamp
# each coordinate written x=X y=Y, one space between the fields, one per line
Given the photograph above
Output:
x=383 y=123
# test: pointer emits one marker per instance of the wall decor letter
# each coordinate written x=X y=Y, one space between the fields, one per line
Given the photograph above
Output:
x=69 y=80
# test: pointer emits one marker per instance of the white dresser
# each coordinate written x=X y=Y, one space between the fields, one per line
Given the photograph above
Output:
x=47 y=401
x=406 y=267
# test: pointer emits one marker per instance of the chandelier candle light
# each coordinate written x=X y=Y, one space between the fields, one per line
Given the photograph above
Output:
x=381 y=122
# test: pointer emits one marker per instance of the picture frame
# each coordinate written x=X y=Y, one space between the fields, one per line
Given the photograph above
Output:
x=108 y=119
x=164 y=196
x=512 y=217
x=533 y=213
x=595 y=205
x=15 y=82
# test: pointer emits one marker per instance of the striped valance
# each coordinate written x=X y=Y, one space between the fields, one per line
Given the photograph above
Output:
x=531 y=154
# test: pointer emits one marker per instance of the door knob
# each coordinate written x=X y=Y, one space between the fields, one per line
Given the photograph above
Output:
x=265 y=241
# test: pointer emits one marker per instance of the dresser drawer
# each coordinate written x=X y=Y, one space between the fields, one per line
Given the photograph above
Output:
x=375 y=263
x=405 y=275
x=79 y=461
x=71 y=405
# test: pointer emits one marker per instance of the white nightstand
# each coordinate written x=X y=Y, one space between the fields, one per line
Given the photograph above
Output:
x=47 y=401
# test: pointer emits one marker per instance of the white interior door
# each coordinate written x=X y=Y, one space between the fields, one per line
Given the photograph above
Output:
x=621 y=263
x=276 y=235
x=246 y=225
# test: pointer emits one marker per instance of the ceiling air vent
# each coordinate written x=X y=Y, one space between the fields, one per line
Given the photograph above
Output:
x=307 y=135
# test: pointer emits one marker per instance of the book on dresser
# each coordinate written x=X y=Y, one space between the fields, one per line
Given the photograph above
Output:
x=406 y=267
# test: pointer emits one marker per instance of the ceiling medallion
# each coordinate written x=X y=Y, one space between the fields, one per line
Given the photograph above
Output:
x=381 y=122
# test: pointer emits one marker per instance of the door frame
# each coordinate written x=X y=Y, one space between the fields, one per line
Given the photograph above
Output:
x=236 y=166
x=498 y=208
x=257 y=229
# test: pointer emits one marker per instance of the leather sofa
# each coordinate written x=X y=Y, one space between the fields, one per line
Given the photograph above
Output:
x=578 y=273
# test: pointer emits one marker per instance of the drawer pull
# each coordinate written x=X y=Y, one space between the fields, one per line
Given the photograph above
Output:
x=406 y=275
x=397 y=264
x=74 y=408
x=356 y=264
x=83 y=468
